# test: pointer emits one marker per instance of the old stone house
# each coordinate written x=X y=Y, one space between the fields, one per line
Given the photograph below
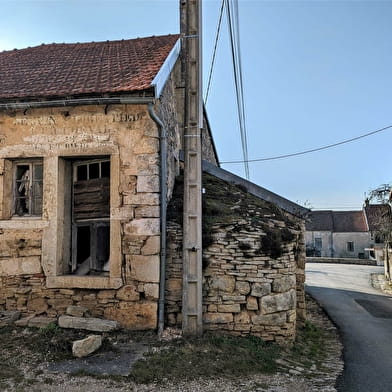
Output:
x=90 y=147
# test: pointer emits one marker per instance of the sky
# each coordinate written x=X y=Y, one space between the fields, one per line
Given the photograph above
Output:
x=315 y=73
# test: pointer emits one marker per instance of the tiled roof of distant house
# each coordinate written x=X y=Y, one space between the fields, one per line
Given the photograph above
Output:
x=337 y=221
x=349 y=221
x=94 y=68
x=320 y=221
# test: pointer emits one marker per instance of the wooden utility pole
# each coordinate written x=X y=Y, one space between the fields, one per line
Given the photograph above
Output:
x=190 y=14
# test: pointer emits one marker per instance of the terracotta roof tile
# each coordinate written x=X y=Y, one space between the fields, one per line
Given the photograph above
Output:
x=337 y=221
x=349 y=221
x=320 y=221
x=58 y=70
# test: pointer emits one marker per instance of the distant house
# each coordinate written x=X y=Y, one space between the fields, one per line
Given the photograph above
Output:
x=338 y=234
x=347 y=234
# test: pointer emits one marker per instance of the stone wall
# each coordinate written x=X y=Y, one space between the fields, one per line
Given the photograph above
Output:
x=209 y=152
x=28 y=294
x=253 y=264
x=33 y=255
x=33 y=249
x=32 y=261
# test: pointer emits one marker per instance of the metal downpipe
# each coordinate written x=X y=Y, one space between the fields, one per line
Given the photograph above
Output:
x=163 y=211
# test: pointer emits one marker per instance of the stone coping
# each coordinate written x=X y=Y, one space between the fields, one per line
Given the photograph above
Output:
x=85 y=282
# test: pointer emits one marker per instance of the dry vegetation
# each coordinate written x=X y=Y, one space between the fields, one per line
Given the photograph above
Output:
x=26 y=353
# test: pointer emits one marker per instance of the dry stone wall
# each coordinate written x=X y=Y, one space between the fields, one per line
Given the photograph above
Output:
x=253 y=265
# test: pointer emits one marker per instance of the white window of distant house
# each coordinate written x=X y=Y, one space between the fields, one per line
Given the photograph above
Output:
x=350 y=246
x=318 y=243
x=27 y=187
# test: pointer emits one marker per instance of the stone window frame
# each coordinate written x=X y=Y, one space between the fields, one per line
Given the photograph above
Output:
x=101 y=170
x=9 y=192
x=56 y=237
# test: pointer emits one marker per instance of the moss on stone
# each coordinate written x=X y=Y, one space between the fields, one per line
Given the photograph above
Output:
x=228 y=204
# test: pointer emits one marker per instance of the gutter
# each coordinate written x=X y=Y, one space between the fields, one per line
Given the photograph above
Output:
x=163 y=212
x=78 y=101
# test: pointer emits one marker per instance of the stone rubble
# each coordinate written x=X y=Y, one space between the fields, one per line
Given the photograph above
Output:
x=41 y=322
x=84 y=347
x=9 y=317
x=90 y=324
x=380 y=282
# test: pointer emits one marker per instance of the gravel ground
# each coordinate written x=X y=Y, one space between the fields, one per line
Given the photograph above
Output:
x=293 y=376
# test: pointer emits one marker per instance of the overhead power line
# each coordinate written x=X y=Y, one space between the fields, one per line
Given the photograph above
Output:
x=218 y=28
x=311 y=150
x=233 y=24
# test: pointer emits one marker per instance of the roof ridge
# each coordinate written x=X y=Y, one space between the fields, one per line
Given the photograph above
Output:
x=92 y=42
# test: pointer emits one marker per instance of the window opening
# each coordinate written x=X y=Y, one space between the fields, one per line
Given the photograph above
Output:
x=90 y=217
x=28 y=186
x=318 y=243
x=350 y=246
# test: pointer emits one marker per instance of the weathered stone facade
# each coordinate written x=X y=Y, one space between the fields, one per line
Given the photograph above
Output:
x=254 y=258
x=34 y=251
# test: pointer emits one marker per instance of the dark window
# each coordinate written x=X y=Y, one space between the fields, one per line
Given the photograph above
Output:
x=91 y=248
x=350 y=246
x=82 y=172
x=28 y=187
x=93 y=171
x=105 y=169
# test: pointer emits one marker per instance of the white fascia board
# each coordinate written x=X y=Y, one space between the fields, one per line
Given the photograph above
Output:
x=167 y=67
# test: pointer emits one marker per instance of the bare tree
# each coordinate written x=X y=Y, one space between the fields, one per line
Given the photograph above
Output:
x=381 y=194
x=382 y=221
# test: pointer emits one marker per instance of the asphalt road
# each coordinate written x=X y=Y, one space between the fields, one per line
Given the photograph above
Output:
x=364 y=316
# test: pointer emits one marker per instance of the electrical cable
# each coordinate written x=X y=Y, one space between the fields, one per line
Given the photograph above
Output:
x=233 y=24
x=239 y=61
x=214 y=52
x=311 y=150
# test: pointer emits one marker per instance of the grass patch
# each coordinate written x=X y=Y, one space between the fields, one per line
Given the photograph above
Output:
x=309 y=346
x=52 y=342
x=208 y=356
